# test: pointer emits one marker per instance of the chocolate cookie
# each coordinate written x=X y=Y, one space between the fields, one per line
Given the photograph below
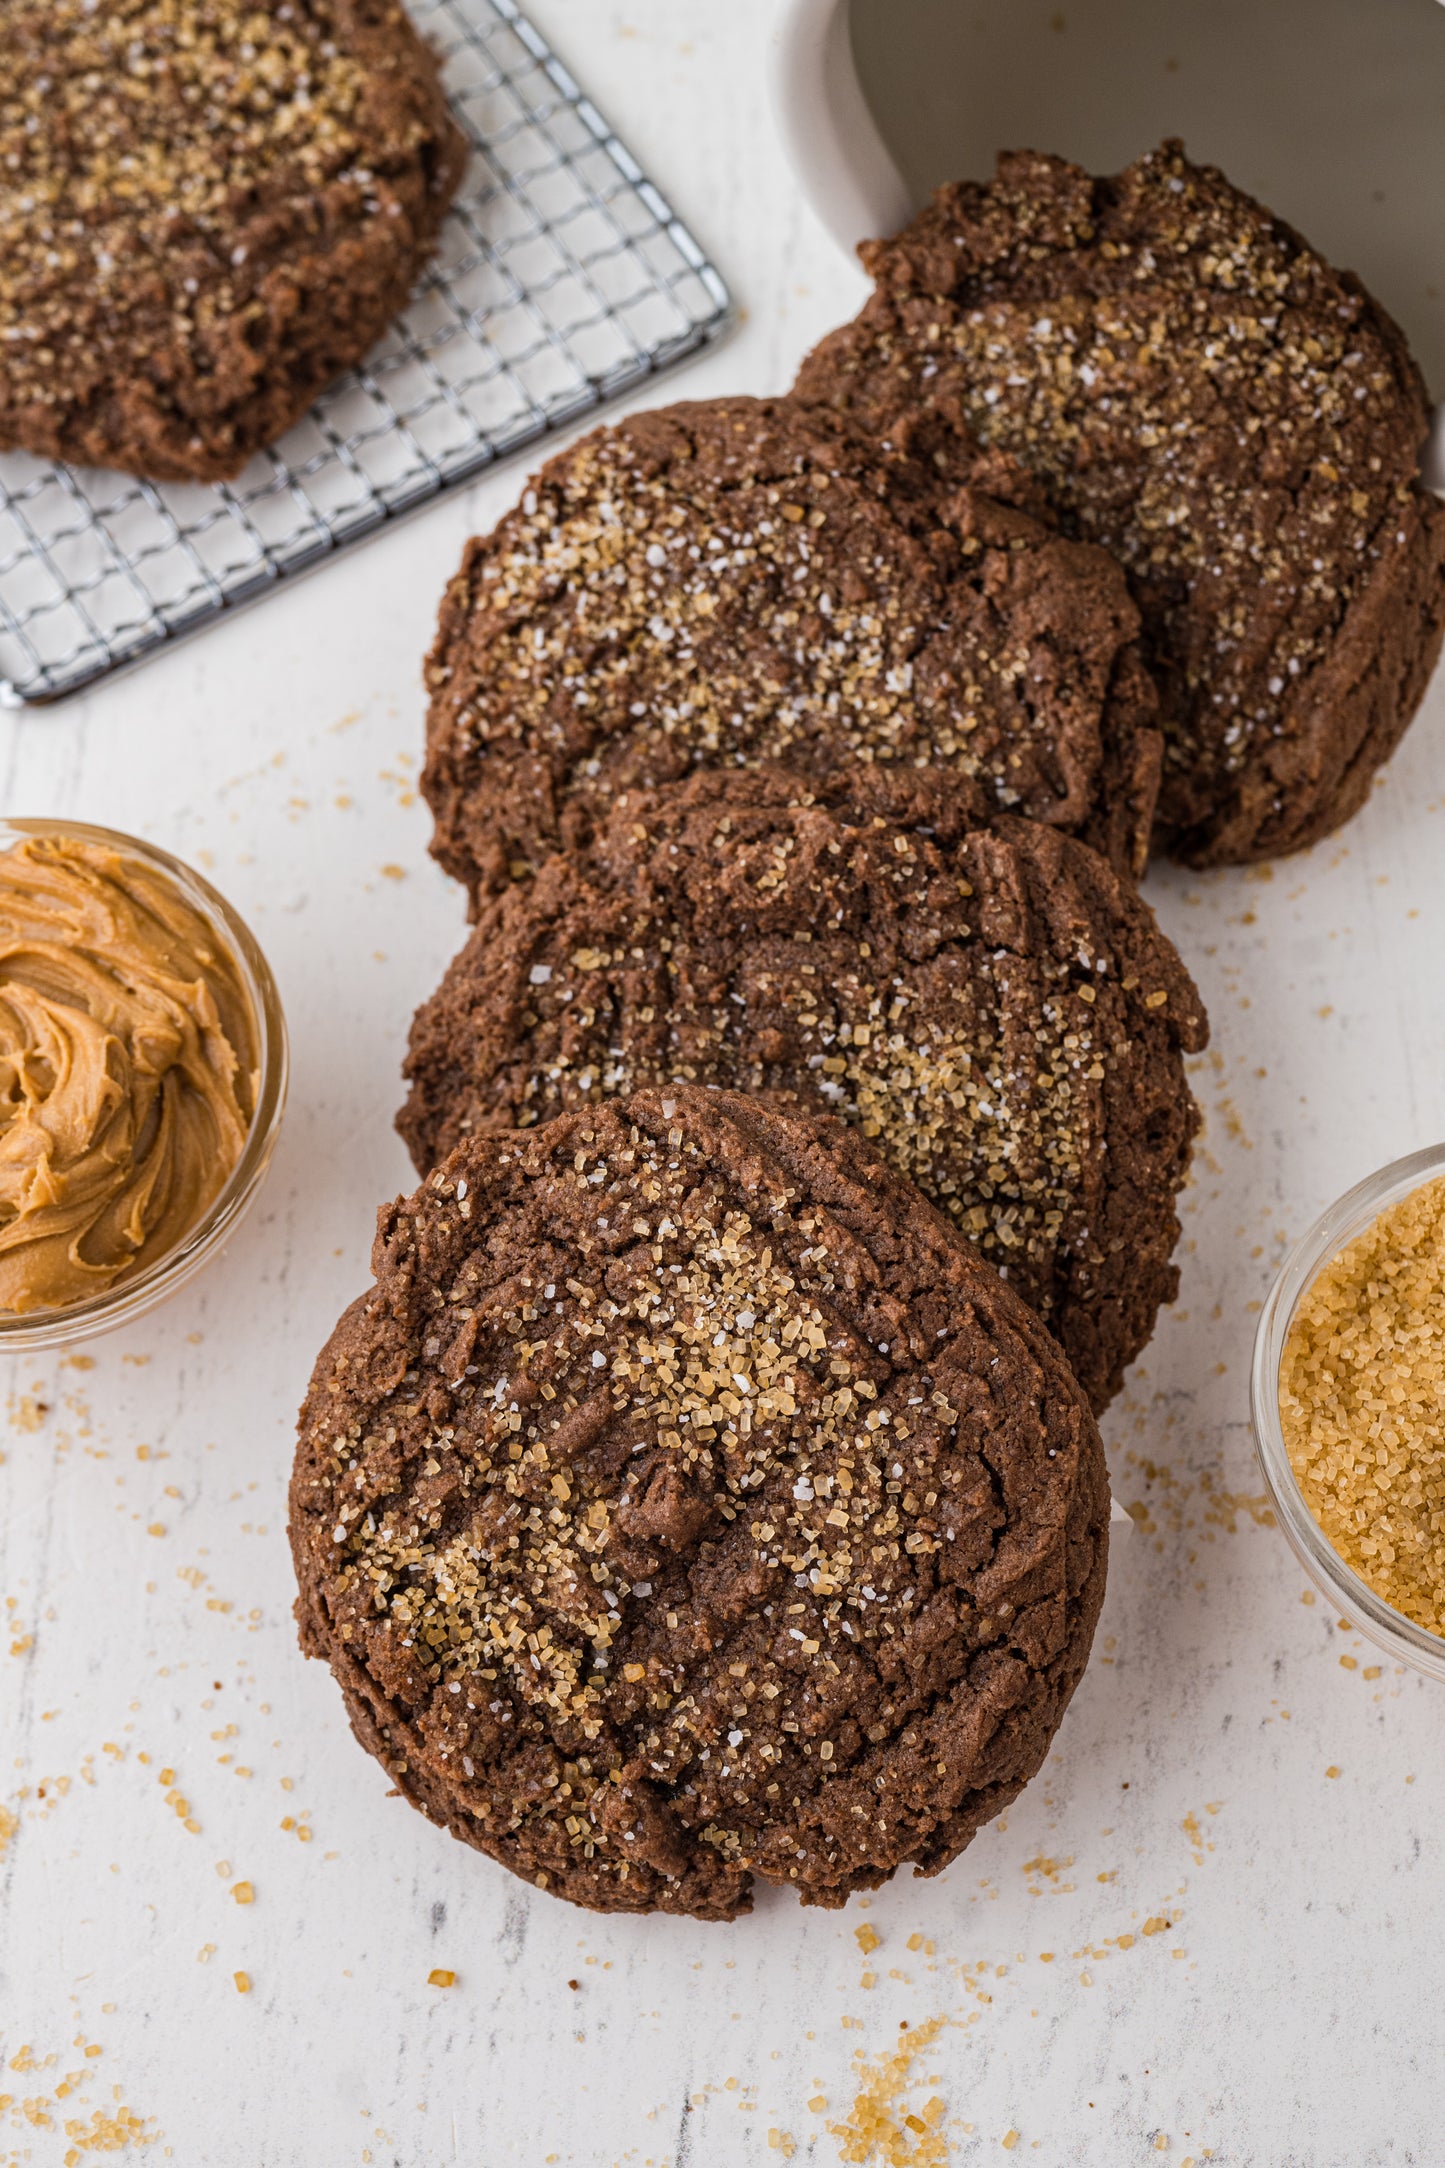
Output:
x=1242 y=425
x=995 y=1007
x=738 y=581
x=687 y=1502
x=209 y=210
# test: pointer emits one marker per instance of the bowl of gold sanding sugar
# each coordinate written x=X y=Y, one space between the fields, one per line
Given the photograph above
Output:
x=142 y=1078
x=1347 y=1392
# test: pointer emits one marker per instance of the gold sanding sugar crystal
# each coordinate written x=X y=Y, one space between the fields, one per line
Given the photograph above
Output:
x=881 y=2131
x=1362 y=1404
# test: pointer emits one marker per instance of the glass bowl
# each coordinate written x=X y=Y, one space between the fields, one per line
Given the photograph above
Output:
x=135 y=1295
x=1398 y=1636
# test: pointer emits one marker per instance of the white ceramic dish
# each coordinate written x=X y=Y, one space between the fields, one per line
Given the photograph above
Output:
x=1331 y=111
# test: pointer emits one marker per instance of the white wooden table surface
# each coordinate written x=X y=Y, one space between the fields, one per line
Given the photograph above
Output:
x=1214 y=1928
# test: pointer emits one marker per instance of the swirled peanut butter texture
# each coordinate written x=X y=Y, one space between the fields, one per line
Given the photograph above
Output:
x=127 y=1068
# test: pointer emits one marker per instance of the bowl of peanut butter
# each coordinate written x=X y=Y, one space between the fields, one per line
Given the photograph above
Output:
x=143 y=1065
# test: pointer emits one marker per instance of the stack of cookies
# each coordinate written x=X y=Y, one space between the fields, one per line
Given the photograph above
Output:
x=709 y=1487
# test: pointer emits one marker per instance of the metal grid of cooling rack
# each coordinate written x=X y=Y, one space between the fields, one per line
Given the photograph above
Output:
x=562 y=280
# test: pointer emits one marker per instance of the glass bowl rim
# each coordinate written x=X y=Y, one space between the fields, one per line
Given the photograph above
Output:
x=130 y=1297
x=1350 y=1215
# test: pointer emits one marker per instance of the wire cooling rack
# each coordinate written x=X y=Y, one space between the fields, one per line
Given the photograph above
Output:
x=562 y=280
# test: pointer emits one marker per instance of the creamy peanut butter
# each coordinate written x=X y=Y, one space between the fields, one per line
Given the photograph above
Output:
x=128 y=1049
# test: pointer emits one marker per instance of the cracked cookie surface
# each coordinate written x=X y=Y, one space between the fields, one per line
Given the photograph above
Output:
x=738 y=581
x=986 y=1000
x=209 y=210
x=1194 y=387
x=687 y=1503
